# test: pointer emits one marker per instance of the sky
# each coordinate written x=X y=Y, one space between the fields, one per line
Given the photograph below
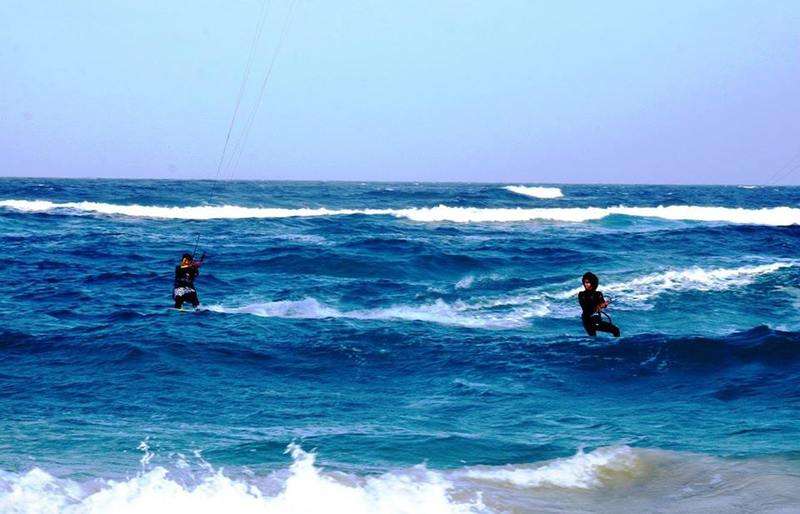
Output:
x=487 y=91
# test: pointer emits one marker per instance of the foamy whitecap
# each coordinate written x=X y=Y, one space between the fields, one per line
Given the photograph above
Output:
x=608 y=479
x=440 y=312
x=628 y=294
x=305 y=490
x=536 y=192
x=643 y=288
x=516 y=311
x=581 y=471
x=773 y=216
x=466 y=282
x=206 y=212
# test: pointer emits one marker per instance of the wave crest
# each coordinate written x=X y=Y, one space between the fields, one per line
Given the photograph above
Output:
x=641 y=289
x=772 y=216
x=440 y=312
x=306 y=489
x=581 y=471
x=536 y=192
x=204 y=212
x=607 y=479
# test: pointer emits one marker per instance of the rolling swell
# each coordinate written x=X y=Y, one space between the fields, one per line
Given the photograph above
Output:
x=662 y=353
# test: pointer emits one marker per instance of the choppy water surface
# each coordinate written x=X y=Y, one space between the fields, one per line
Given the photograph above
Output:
x=397 y=348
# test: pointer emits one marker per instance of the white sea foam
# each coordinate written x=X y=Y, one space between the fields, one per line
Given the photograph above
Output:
x=598 y=481
x=458 y=314
x=469 y=281
x=517 y=310
x=581 y=471
x=466 y=282
x=643 y=288
x=536 y=192
x=774 y=216
x=633 y=294
x=305 y=490
x=206 y=212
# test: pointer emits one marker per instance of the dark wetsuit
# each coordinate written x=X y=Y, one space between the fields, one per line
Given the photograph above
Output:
x=184 y=286
x=592 y=320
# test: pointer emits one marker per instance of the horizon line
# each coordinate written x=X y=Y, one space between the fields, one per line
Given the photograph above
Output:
x=352 y=181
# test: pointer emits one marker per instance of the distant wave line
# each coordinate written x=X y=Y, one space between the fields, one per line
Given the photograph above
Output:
x=536 y=191
x=771 y=216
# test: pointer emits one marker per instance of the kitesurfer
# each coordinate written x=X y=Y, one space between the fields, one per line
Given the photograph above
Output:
x=185 y=274
x=592 y=304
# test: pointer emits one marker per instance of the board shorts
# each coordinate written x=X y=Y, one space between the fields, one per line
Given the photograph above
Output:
x=182 y=291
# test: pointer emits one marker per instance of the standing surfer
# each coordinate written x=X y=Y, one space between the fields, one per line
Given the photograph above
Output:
x=185 y=273
x=592 y=304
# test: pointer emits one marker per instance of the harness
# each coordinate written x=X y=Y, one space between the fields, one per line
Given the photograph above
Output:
x=602 y=314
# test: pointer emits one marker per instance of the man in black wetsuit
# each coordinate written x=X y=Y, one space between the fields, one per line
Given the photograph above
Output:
x=592 y=302
x=183 y=288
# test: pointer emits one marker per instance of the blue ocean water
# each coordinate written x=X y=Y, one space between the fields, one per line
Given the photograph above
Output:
x=416 y=347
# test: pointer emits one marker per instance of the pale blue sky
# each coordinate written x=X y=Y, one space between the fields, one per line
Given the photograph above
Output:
x=515 y=91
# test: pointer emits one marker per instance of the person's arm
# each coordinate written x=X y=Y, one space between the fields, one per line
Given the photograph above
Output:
x=197 y=264
x=601 y=302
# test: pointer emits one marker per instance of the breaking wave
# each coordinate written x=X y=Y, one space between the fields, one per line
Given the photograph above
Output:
x=604 y=480
x=441 y=312
x=466 y=282
x=633 y=294
x=536 y=192
x=773 y=216
x=205 y=212
x=643 y=288
x=581 y=471
x=517 y=310
x=306 y=489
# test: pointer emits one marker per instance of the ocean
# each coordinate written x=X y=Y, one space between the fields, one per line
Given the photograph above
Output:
x=397 y=347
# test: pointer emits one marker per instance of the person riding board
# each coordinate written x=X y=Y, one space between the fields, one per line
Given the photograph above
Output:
x=183 y=287
x=592 y=304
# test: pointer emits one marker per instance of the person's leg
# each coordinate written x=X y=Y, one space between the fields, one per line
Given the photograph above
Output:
x=588 y=325
x=178 y=302
x=605 y=326
x=192 y=298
